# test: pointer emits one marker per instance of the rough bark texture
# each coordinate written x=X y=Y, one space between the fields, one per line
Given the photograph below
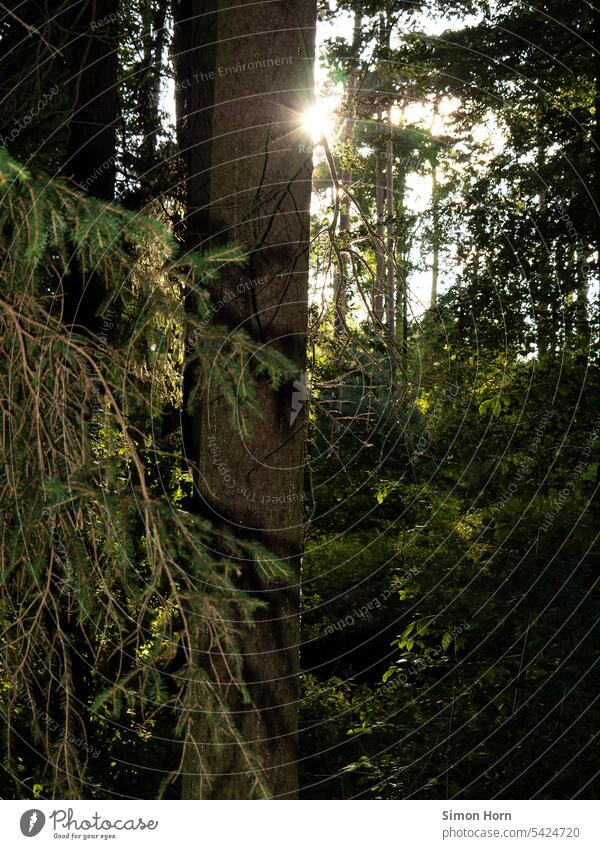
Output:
x=254 y=189
x=92 y=128
x=91 y=146
x=195 y=44
x=596 y=141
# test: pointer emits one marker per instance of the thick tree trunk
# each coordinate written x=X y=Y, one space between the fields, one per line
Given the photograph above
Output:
x=91 y=146
x=596 y=141
x=195 y=42
x=254 y=189
x=92 y=128
x=195 y=47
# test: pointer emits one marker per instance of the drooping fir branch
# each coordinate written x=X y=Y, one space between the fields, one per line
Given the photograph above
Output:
x=111 y=602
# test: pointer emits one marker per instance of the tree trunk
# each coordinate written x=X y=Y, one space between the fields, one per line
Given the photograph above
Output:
x=582 y=324
x=92 y=128
x=402 y=248
x=91 y=146
x=596 y=141
x=249 y=183
x=195 y=40
x=341 y=273
x=390 y=292
x=402 y=251
x=341 y=282
x=380 y=227
x=195 y=72
x=145 y=114
x=435 y=241
x=154 y=32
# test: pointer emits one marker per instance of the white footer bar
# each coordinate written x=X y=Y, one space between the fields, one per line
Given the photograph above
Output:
x=302 y=825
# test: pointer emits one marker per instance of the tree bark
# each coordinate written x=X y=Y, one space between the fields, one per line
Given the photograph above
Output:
x=435 y=246
x=91 y=146
x=92 y=129
x=380 y=226
x=154 y=32
x=253 y=188
x=596 y=142
x=143 y=94
x=341 y=282
x=195 y=42
x=390 y=292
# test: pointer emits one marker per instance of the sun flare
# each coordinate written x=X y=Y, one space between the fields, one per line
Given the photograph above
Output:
x=318 y=119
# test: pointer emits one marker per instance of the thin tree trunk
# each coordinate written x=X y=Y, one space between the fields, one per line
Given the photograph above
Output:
x=402 y=254
x=154 y=34
x=582 y=325
x=380 y=177
x=435 y=212
x=435 y=242
x=341 y=283
x=380 y=226
x=401 y=247
x=405 y=327
x=547 y=341
x=390 y=306
x=144 y=159
x=258 y=183
x=402 y=250
x=343 y=270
